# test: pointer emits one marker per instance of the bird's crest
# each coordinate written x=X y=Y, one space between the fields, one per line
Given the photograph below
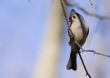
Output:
x=72 y=13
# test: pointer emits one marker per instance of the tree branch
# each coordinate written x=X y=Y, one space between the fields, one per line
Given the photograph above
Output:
x=64 y=12
x=92 y=51
x=87 y=73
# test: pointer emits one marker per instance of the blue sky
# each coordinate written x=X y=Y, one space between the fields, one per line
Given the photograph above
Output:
x=20 y=34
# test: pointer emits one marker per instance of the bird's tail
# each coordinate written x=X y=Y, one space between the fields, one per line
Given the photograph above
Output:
x=72 y=63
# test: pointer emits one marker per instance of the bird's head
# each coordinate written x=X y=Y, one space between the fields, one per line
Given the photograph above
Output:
x=72 y=16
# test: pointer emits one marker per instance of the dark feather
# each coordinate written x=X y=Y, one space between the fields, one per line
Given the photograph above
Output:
x=72 y=63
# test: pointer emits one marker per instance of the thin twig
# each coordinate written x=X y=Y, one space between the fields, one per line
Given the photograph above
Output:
x=87 y=73
x=92 y=51
x=64 y=12
x=79 y=45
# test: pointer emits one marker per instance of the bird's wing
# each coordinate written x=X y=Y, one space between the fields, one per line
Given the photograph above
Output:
x=85 y=27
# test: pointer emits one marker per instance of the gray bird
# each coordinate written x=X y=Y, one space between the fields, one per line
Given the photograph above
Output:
x=80 y=32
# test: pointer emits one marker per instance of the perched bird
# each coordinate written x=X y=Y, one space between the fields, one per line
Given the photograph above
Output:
x=80 y=32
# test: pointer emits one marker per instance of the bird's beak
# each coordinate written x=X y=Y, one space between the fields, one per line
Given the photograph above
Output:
x=70 y=19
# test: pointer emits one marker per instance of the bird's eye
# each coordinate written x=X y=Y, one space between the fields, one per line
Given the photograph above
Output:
x=74 y=17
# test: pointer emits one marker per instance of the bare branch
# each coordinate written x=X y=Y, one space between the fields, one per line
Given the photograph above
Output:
x=92 y=51
x=87 y=73
x=64 y=12
x=85 y=11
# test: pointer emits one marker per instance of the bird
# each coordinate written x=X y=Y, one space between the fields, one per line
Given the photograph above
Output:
x=80 y=31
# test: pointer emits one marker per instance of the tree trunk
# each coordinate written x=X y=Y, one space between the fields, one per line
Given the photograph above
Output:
x=47 y=67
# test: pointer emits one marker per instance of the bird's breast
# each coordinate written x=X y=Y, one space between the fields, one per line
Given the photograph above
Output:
x=77 y=31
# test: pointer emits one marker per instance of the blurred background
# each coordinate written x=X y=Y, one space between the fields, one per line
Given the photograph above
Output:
x=34 y=39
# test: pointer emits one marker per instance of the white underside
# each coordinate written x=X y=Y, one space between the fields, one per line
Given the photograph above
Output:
x=77 y=31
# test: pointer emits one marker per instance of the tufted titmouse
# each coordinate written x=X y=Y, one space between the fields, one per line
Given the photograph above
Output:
x=79 y=33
